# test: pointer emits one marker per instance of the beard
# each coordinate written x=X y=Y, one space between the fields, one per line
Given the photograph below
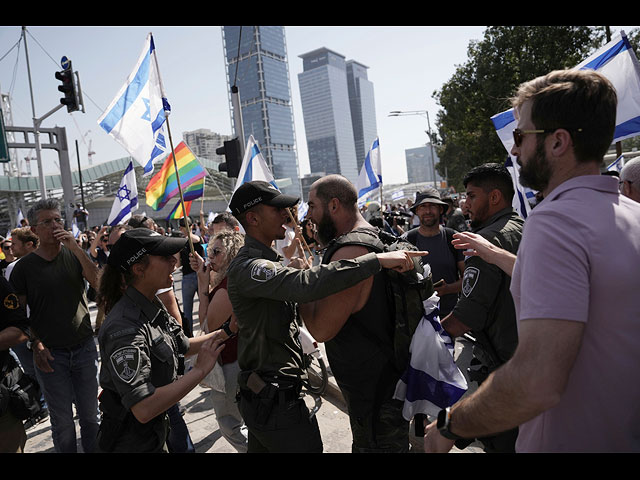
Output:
x=327 y=230
x=537 y=171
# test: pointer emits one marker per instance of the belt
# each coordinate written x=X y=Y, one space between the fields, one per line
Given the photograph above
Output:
x=278 y=393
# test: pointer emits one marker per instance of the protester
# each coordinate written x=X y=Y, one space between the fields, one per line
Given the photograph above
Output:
x=356 y=326
x=264 y=295
x=81 y=216
x=574 y=286
x=453 y=216
x=189 y=278
x=140 y=343
x=50 y=281
x=214 y=311
x=447 y=264
x=630 y=179
x=7 y=249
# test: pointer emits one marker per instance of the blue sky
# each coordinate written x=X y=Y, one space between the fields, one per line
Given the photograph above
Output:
x=406 y=65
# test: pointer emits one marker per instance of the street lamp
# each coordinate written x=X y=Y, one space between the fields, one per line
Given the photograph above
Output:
x=398 y=113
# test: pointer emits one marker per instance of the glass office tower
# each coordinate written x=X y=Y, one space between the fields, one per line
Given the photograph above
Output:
x=256 y=60
x=363 y=110
x=327 y=115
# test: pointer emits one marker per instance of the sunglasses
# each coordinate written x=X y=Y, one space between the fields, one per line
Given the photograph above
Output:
x=518 y=134
x=215 y=252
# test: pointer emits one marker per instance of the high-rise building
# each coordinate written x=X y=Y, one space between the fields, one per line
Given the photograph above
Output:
x=324 y=93
x=256 y=61
x=363 y=109
x=203 y=143
x=420 y=165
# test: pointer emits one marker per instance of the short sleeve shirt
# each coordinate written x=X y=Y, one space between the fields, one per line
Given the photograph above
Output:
x=139 y=347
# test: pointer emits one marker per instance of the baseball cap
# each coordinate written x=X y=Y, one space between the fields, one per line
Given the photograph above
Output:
x=253 y=193
x=138 y=242
x=431 y=195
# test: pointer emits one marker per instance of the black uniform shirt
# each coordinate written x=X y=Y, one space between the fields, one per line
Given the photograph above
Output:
x=139 y=347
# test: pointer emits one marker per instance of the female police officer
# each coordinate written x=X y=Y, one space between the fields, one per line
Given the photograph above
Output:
x=140 y=344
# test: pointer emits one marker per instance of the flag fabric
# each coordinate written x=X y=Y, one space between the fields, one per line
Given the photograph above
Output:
x=370 y=176
x=164 y=184
x=136 y=116
x=617 y=61
x=254 y=166
x=20 y=218
x=432 y=381
x=303 y=208
x=126 y=201
x=616 y=165
x=177 y=211
x=74 y=229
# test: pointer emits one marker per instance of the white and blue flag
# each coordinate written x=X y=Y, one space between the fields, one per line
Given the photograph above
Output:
x=616 y=61
x=254 y=166
x=137 y=114
x=616 y=165
x=20 y=218
x=370 y=176
x=303 y=209
x=432 y=381
x=126 y=201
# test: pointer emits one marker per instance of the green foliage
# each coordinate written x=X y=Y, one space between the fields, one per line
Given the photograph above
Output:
x=482 y=87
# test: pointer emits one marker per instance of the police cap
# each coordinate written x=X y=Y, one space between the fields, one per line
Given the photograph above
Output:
x=253 y=193
x=138 y=242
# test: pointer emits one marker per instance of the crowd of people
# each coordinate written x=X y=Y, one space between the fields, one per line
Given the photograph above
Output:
x=547 y=301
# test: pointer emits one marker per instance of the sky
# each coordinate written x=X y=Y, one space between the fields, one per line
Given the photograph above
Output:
x=406 y=65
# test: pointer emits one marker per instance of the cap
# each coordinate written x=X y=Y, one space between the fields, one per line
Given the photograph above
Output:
x=253 y=193
x=138 y=242
x=431 y=195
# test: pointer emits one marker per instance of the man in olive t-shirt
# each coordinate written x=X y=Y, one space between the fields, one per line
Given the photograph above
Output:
x=50 y=280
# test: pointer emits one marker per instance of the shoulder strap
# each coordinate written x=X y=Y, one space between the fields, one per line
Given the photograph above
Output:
x=365 y=237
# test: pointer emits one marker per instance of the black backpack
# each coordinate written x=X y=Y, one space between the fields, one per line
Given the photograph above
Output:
x=406 y=291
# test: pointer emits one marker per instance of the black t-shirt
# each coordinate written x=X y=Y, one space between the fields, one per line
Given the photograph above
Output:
x=443 y=260
x=184 y=256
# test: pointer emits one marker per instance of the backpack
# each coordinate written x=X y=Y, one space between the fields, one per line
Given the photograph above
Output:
x=406 y=291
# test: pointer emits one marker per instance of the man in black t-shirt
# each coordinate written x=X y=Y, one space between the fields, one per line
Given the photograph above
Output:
x=447 y=263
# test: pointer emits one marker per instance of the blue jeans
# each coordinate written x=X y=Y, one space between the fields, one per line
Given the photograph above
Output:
x=189 y=290
x=74 y=380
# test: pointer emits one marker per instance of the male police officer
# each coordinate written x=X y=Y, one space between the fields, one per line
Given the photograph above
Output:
x=485 y=307
x=264 y=296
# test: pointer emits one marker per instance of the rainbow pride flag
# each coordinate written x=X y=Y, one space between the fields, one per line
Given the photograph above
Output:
x=177 y=213
x=164 y=185
x=195 y=190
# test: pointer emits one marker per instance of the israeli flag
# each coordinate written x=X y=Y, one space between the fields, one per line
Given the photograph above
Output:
x=20 y=218
x=254 y=166
x=371 y=173
x=616 y=61
x=616 y=165
x=74 y=229
x=126 y=201
x=136 y=116
x=303 y=208
x=432 y=381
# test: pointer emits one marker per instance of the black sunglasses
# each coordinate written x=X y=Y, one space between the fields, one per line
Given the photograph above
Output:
x=519 y=134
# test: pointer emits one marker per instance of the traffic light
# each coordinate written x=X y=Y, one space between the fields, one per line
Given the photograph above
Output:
x=232 y=156
x=68 y=87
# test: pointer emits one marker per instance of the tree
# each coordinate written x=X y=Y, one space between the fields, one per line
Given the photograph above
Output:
x=482 y=87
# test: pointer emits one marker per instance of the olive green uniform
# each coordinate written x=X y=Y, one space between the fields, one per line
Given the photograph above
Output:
x=140 y=348
x=264 y=295
x=485 y=305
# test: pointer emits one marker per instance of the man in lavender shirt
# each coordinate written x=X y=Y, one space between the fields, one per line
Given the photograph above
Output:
x=571 y=384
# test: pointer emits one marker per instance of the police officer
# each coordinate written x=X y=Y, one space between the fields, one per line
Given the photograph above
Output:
x=485 y=307
x=140 y=345
x=13 y=331
x=264 y=296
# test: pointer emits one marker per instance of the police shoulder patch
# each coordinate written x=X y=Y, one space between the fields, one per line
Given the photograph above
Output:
x=469 y=280
x=11 y=301
x=263 y=270
x=126 y=362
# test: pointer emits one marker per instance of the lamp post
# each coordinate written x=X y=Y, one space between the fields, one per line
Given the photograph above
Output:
x=398 y=113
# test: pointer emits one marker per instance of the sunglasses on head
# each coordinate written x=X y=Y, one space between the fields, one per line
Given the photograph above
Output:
x=518 y=134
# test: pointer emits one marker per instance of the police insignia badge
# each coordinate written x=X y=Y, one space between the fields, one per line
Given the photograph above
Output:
x=126 y=363
x=263 y=271
x=11 y=301
x=469 y=280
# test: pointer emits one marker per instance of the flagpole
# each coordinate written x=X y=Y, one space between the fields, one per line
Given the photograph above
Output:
x=295 y=222
x=173 y=154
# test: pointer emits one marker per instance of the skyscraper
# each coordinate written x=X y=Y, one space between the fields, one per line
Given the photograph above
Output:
x=363 y=109
x=327 y=116
x=420 y=165
x=203 y=143
x=256 y=60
